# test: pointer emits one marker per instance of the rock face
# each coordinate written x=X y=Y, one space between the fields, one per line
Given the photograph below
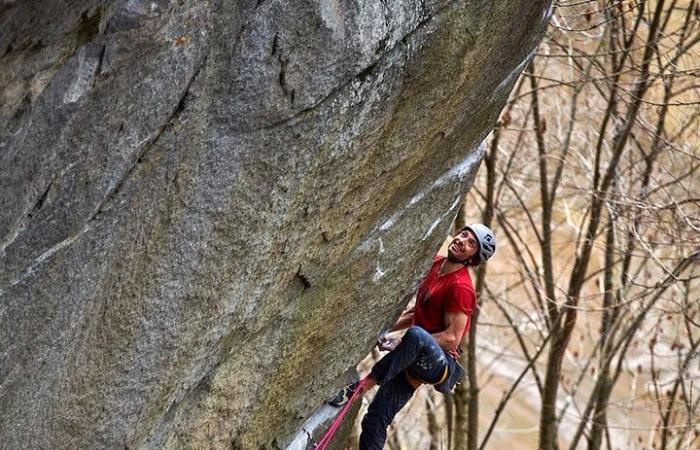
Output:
x=208 y=209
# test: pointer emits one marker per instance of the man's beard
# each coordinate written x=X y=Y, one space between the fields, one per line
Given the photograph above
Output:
x=453 y=259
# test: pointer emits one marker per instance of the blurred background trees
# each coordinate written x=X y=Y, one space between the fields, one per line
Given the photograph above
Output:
x=588 y=333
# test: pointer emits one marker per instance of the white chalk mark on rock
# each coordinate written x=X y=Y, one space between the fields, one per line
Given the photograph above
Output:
x=458 y=171
x=10 y=239
x=455 y=203
x=47 y=254
x=24 y=223
x=432 y=227
x=389 y=223
x=83 y=77
x=379 y=274
x=440 y=219
x=332 y=15
x=548 y=13
x=514 y=73
x=318 y=418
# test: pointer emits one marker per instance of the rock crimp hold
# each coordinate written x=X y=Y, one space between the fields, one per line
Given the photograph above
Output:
x=207 y=209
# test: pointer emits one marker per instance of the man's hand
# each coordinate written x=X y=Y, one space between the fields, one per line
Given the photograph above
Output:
x=388 y=343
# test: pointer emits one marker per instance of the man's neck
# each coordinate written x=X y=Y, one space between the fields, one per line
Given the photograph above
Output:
x=449 y=267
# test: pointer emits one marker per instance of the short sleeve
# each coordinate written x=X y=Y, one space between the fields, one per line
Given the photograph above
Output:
x=462 y=299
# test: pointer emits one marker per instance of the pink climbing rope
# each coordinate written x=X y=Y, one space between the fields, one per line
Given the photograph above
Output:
x=326 y=439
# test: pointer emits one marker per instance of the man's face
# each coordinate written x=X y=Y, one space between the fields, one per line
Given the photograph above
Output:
x=463 y=246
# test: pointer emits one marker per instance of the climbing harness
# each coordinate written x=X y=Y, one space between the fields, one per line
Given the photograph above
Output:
x=416 y=382
x=326 y=439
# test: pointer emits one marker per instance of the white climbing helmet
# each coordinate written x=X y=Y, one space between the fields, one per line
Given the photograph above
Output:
x=486 y=239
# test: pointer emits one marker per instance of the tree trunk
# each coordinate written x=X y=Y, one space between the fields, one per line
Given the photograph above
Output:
x=434 y=427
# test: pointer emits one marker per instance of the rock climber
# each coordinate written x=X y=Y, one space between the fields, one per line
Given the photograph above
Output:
x=428 y=351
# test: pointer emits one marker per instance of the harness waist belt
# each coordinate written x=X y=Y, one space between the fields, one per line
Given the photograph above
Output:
x=412 y=377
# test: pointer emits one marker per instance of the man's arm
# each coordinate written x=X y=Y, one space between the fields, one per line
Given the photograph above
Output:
x=405 y=320
x=449 y=338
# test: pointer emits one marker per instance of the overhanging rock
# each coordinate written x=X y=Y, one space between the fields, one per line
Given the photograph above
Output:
x=208 y=209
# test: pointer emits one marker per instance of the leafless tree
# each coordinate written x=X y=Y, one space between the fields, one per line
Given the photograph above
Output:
x=589 y=317
x=593 y=189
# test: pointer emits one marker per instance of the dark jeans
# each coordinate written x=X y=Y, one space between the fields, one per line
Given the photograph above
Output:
x=424 y=358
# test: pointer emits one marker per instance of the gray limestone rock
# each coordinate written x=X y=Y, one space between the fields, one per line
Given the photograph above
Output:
x=208 y=209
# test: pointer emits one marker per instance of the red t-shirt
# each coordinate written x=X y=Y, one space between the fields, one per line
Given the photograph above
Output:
x=438 y=294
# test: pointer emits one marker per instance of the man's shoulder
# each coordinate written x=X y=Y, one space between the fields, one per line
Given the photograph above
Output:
x=463 y=280
x=463 y=275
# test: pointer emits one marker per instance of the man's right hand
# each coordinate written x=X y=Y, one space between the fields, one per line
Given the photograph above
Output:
x=388 y=343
